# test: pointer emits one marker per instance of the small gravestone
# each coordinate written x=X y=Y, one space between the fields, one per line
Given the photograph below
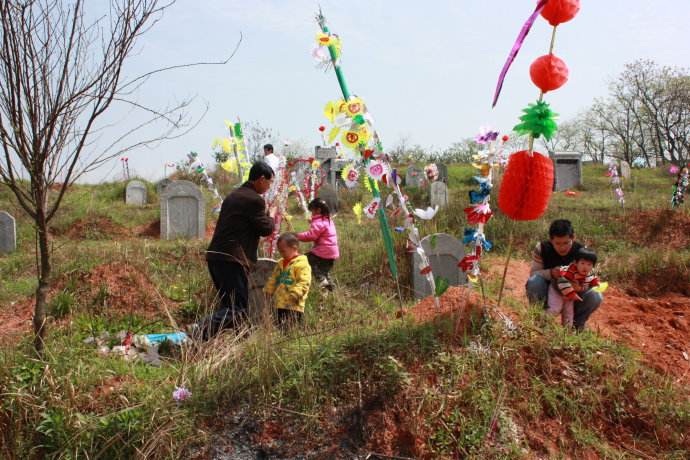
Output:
x=439 y=195
x=567 y=170
x=328 y=194
x=135 y=193
x=257 y=280
x=183 y=211
x=414 y=177
x=625 y=170
x=442 y=172
x=8 y=233
x=161 y=184
x=444 y=253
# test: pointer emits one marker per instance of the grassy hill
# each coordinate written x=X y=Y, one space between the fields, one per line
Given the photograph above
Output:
x=359 y=379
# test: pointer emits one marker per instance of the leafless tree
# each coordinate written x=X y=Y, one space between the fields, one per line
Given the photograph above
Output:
x=255 y=137
x=60 y=75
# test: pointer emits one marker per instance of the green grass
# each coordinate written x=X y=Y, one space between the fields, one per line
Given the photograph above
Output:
x=353 y=357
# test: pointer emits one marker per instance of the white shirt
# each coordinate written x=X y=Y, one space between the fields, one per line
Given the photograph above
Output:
x=273 y=161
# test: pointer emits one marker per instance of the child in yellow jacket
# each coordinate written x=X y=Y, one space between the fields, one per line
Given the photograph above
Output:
x=289 y=283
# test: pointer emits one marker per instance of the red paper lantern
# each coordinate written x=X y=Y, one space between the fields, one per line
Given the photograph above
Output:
x=548 y=73
x=322 y=128
x=560 y=11
x=526 y=187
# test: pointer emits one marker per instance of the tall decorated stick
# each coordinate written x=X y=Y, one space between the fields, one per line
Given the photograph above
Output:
x=528 y=180
x=350 y=116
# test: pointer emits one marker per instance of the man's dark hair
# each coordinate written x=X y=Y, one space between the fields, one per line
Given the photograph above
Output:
x=586 y=254
x=561 y=227
x=268 y=147
x=260 y=169
x=290 y=239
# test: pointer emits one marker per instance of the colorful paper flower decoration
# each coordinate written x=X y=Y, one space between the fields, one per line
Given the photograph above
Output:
x=377 y=169
x=426 y=214
x=486 y=135
x=372 y=208
x=526 y=187
x=350 y=175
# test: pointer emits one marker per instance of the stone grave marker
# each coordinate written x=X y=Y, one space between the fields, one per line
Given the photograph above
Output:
x=442 y=172
x=439 y=195
x=183 y=211
x=414 y=177
x=161 y=184
x=257 y=280
x=8 y=233
x=444 y=253
x=328 y=194
x=567 y=170
x=625 y=170
x=136 y=193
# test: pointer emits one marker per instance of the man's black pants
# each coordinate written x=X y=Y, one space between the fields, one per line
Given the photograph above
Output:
x=230 y=279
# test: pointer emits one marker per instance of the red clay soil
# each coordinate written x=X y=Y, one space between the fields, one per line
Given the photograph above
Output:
x=128 y=291
x=152 y=230
x=15 y=320
x=454 y=300
x=100 y=227
x=664 y=228
x=658 y=327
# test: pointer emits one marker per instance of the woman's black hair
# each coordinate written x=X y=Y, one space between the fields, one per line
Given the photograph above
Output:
x=586 y=254
x=318 y=203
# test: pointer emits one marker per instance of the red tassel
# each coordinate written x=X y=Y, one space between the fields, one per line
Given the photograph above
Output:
x=548 y=73
x=560 y=11
x=526 y=187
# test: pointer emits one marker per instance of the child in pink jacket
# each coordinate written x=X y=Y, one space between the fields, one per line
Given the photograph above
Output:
x=325 y=250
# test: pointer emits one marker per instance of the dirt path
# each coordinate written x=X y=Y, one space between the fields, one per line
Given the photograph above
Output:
x=658 y=327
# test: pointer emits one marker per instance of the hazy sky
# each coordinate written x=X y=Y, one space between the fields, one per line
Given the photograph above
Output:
x=427 y=70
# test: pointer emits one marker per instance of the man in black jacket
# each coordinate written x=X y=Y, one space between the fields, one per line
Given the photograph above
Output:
x=547 y=257
x=233 y=250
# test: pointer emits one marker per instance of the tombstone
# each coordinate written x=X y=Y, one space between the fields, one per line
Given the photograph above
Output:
x=442 y=172
x=567 y=170
x=8 y=233
x=136 y=193
x=183 y=211
x=414 y=177
x=161 y=184
x=257 y=280
x=625 y=170
x=328 y=194
x=444 y=253
x=439 y=195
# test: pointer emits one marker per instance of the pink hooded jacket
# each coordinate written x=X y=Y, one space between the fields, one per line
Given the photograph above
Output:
x=322 y=233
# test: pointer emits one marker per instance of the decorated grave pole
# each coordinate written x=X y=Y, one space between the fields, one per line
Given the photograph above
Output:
x=351 y=114
x=383 y=221
x=528 y=180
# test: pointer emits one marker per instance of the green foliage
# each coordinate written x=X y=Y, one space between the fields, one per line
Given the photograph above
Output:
x=62 y=305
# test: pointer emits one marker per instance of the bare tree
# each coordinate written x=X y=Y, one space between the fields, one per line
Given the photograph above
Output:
x=565 y=138
x=255 y=137
x=59 y=77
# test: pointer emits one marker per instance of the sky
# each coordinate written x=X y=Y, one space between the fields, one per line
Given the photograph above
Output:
x=427 y=70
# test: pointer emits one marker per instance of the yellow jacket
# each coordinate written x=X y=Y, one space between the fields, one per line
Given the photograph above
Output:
x=290 y=285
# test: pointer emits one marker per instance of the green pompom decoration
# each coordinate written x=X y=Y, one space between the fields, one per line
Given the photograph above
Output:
x=538 y=120
x=359 y=119
x=238 y=130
